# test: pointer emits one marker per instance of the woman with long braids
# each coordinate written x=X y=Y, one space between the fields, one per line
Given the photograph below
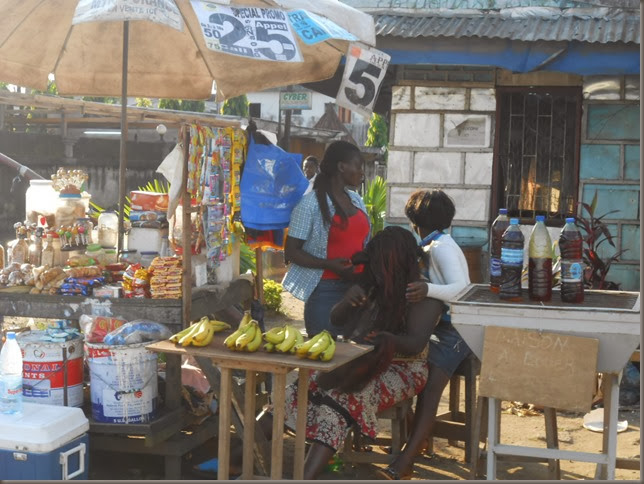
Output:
x=327 y=227
x=373 y=311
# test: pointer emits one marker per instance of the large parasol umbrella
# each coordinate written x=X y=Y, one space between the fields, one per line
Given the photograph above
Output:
x=174 y=48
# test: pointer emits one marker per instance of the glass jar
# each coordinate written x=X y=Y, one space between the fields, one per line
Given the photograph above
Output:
x=70 y=207
x=108 y=229
x=57 y=245
x=40 y=201
x=47 y=254
x=129 y=257
x=147 y=258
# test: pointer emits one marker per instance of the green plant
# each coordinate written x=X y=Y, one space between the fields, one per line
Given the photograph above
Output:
x=375 y=199
x=378 y=134
x=247 y=260
x=235 y=106
x=596 y=233
x=272 y=295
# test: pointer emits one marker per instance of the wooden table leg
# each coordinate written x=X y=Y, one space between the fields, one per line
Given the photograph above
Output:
x=277 y=448
x=223 y=455
x=300 y=428
x=552 y=442
x=493 y=431
x=249 y=425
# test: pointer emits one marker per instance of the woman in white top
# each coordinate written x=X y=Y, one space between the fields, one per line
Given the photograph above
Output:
x=431 y=213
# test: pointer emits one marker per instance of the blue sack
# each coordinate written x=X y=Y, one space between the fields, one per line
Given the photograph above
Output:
x=271 y=185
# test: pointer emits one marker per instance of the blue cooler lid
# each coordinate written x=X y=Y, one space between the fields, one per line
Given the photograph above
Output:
x=41 y=428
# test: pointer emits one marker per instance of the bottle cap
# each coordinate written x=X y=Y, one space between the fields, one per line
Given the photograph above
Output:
x=570 y=219
x=503 y=211
x=11 y=335
x=514 y=221
x=540 y=218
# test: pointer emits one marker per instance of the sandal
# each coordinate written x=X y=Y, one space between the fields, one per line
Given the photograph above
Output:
x=389 y=474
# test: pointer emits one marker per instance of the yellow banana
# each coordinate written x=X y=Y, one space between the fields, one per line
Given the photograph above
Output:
x=299 y=339
x=319 y=346
x=269 y=347
x=247 y=336
x=275 y=335
x=219 y=325
x=289 y=339
x=245 y=319
x=328 y=353
x=187 y=338
x=202 y=332
x=177 y=336
x=243 y=325
x=302 y=349
x=257 y=340
x=205 y=341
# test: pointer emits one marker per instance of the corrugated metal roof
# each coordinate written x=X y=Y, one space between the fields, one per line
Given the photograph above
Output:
x=617 y=28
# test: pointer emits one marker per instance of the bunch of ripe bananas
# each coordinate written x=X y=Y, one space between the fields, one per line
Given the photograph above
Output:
x=247 y=337
x=200 y=333
x=319 y=347
x=282 y=339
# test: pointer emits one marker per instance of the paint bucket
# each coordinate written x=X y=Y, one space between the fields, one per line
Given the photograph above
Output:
x=123 y=383
x=49 y=369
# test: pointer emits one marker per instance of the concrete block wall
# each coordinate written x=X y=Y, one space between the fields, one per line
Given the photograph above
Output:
x=420 y=156
x=610 y=166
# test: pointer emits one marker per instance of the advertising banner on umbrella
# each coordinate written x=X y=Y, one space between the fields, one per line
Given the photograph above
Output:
x=256 y=33
x=313 y=28
x=363 y=74
x=164 y=12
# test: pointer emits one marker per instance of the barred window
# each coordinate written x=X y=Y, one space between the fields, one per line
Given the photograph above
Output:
x=537 y=151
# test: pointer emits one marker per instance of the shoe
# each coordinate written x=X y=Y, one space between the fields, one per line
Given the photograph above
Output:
x=389 y=474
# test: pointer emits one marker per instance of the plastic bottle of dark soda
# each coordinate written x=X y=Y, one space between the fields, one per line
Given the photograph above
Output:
x=572 y=264
x=496 y=232
x=511 y=262
x=540 y=262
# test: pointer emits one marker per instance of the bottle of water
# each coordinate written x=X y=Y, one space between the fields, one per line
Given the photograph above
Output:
x=511 y=262
x=540 y=262
x=572 y=264
x=496 y=233
x=11 y=376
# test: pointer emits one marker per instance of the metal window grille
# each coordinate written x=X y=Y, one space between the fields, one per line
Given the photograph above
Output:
x=537 y=151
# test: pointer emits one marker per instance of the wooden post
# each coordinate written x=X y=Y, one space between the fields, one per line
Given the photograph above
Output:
x=186 y=229
x=259 y=277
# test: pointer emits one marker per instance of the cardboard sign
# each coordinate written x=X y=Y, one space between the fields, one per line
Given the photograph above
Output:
x=296 y=100
x=549 y=369
x=363 y=74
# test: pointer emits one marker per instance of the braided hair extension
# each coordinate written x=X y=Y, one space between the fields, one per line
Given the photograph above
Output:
x=391 y=262
x=338 y=151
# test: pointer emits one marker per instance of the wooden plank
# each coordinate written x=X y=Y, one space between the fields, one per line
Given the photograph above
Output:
x=549 y=369
x=277 y=451
x=224 y=425
x=249 y=425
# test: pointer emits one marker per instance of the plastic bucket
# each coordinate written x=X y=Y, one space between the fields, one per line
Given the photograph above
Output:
x=123 y=383
x=47 y=366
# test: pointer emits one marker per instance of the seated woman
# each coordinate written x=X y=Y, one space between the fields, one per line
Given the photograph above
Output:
x=374 y=311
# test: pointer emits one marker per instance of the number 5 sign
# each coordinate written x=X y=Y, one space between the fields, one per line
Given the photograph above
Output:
x=363 y=73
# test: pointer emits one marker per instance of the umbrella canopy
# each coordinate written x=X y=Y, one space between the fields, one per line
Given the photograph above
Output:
x=170 y=54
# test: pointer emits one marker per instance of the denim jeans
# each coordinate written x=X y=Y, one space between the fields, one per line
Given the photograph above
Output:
x=317 y=309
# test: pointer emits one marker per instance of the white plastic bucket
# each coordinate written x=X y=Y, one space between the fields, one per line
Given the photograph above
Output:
x=123 y=383
x=45 y=366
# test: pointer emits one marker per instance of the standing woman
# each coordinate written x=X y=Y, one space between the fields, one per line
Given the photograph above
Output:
x=327 y=227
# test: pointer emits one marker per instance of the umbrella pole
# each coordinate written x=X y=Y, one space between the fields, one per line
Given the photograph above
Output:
x=123 y=151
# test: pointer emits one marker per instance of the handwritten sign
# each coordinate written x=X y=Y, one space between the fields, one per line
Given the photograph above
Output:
x=549 y=369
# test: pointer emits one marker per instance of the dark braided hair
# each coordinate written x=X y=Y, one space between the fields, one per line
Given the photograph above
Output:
x=391 y=262
x=337 y=152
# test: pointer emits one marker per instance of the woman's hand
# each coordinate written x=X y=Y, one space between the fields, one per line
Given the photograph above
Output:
x=356 y=296
x=416 y=291
x=340 y=266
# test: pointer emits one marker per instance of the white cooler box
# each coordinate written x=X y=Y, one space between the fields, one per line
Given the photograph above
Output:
x=45 y=442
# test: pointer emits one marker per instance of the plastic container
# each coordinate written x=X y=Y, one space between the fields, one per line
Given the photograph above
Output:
x=96 y=252
x=69 y=208
x=144 y=239
x=41 y=200
x=45 y=442
x=572 y=264
x=496 y=233
x=124 y=386
x=11 y=376
x=511 y=262
x=48 y=365
x=109 y=256
x=540 y=262
x=108 y=226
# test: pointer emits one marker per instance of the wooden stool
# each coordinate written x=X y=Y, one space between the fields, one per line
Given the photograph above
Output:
x=352 y=452
x=457 y=425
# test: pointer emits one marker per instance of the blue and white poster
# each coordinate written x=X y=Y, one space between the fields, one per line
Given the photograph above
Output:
x=313 y=29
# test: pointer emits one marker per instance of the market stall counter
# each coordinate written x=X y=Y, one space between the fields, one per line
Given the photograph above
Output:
x=276 y=364
x=612 y=318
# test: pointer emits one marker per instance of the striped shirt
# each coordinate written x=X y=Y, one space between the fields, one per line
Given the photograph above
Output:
x=307 y=224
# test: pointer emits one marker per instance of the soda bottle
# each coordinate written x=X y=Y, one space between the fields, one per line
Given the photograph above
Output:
x=540 y=262
x=572 y=264
x=511 y=262
x=11 y=376
x=496 y=232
